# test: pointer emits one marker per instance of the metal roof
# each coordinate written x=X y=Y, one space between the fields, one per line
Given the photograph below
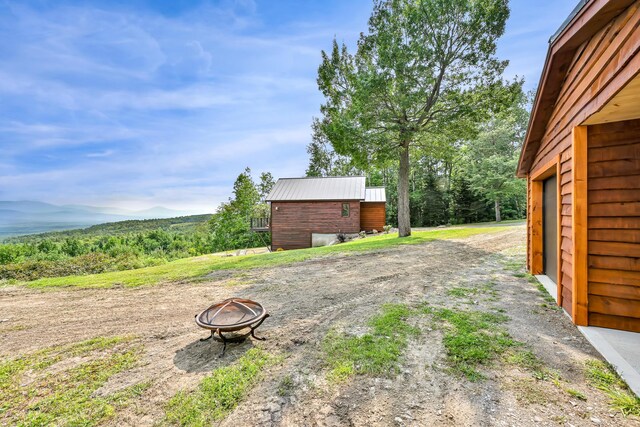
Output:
x=567 y=21
x=375 y=194
x=312 y=188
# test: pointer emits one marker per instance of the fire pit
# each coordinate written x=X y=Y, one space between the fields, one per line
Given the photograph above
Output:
x=231 y=315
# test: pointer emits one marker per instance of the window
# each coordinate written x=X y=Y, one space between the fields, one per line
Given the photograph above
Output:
x=345 y=209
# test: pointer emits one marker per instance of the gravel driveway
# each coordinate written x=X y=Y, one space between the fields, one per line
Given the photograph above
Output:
x=337 y=292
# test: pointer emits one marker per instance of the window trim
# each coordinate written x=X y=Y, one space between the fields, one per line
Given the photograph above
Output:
x=346 y=208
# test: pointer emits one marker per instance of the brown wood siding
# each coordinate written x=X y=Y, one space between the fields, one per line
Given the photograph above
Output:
x=614 y=225
x=601 y=66
x=292 y=223
x=373 y=216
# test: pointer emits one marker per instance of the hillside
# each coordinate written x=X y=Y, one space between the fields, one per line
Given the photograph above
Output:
x=182 y=224
x=122 y=245
x=29 y=217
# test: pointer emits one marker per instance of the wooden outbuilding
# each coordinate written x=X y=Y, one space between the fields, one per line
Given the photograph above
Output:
x=302 y=208
x=581 y=158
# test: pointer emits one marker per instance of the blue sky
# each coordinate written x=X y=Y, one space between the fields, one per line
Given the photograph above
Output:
x=141 y=103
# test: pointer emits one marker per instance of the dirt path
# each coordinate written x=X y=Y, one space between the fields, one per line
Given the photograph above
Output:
x=306 y=300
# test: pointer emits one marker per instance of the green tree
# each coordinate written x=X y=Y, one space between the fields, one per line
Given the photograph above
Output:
x=490 y=160
x=323 y=160
x=231 y=224
x=265 y=185
x=423 y=65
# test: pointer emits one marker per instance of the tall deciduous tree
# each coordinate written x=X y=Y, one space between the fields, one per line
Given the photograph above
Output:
x=423 y=65
x=265 y=185
x=323 y=160
x=490 y=160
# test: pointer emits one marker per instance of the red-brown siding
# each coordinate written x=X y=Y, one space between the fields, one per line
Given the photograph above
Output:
x=614 y=225
x=600 y=67
x=292 y=223
x=373 y=216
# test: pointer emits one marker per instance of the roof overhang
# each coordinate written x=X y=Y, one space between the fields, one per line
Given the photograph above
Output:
x=585 y=21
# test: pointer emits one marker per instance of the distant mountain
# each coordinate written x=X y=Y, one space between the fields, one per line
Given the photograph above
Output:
x=28 y=217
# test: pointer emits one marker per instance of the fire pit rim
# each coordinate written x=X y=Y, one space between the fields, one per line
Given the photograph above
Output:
x=236 y=326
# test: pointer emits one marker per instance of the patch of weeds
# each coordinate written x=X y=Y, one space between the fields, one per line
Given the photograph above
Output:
x=219 y=393
x=525 y=359
x=575 y=393
x=13 y=328
x=487 y=289
x=286 y=386
x=559 y=419
x=603 y=377
x=376 y=352
x=549 y=303
x=459 y=292
x=528 y=360
x=529 y=391
x=66 y=396
x=473 y=338
x=514 y=264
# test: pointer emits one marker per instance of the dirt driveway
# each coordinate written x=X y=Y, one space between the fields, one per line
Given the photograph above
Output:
x=307 y=300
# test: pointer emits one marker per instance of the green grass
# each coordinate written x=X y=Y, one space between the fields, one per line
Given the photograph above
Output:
x=577 y=394
x=525 y=359
x=459 y=292
x=196 y=267
x=377 y=352
x=603 y=377
x=472 y=339
x=487 y=290
x=32 y=395
x=219 y=393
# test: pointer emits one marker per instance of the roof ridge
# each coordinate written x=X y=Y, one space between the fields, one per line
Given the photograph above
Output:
x=325 y=177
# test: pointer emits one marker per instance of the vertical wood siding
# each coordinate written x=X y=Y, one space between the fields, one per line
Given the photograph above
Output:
x=614 y=225
x=373 y=216
x=292 y=223
x=600 y=68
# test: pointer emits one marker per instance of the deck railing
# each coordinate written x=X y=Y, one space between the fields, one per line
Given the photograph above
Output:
x=260 y=224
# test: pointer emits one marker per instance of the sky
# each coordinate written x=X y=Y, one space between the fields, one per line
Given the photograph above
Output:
x=135 y=103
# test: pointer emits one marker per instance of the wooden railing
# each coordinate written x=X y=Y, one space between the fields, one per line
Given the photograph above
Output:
x=260 y=223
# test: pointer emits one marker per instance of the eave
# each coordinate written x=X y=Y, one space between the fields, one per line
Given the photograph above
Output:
x=589 y=18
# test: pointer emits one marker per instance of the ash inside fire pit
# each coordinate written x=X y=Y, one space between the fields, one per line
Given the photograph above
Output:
x=231 y=315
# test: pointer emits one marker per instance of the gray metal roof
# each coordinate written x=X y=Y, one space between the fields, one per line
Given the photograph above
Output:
x=567 y=21
x=312 y=188
x=375 y=194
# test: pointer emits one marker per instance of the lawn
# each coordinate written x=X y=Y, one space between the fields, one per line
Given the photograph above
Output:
x=193 y=268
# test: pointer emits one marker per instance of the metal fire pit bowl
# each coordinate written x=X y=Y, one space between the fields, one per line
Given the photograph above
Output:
x=231 y=315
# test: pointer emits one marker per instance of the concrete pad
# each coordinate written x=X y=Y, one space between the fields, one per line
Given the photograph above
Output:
x=621 y=349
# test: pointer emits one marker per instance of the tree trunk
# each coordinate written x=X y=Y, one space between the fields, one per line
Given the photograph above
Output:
x=404 y=218
x=498 y=217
